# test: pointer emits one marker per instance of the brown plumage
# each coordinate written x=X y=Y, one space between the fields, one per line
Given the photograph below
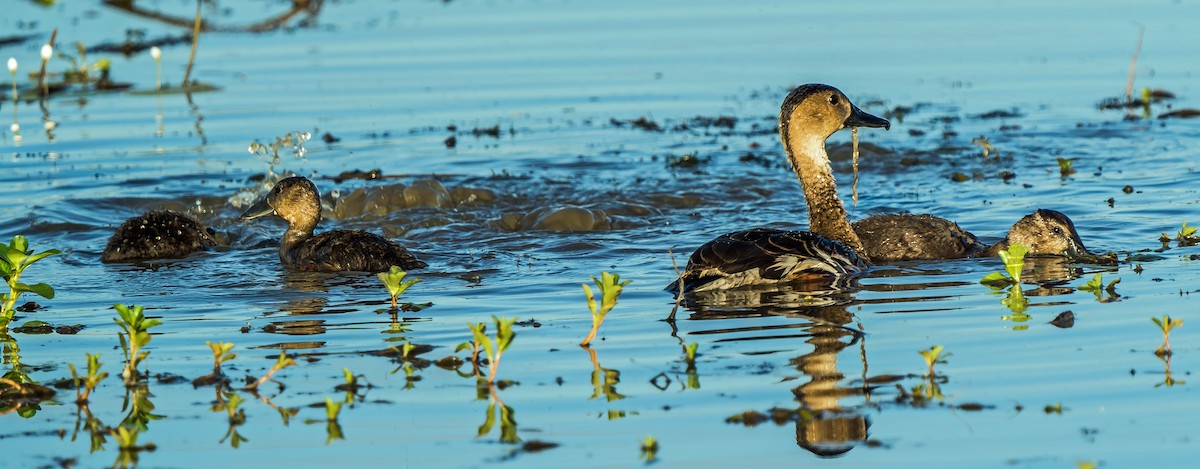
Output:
x=296 y=200
x=158 y=234
x=830 y=249
x=902 y=237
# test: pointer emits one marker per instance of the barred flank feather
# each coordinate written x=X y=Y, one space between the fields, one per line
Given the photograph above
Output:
x=766 y=256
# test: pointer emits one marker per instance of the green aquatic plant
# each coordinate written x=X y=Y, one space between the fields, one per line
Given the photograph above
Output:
x=1014 y=263
x=393 y=279
x=1166 y=324
x=983 y=142
x=282 y=362
x=137 y=327
x=15 y=257
x=934 y=356
x=86 y=384
x=1064 y=167
x=1054 y=408
x=493 y=349
x=649 y=446
x=1097 y=287
x=1187 y=235
x=610 y=286
x=221 y=354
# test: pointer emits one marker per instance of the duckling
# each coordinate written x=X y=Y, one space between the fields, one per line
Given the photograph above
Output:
x=830 y=249
x=903 y=237
x=157 y=234
x=296 y=200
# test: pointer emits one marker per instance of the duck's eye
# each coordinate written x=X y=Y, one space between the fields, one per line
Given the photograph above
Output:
x=833 y=99
x=1058 y=230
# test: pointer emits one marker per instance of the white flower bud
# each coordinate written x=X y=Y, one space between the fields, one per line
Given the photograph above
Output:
x=12 y=65
x=47 y=51
x=156 y=53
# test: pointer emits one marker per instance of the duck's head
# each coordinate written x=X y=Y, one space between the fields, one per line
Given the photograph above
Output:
x=294 y=199
x=1047 y=233
x=816 y=111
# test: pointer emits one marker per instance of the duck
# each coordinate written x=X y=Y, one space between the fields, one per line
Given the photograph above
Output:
x=155 y=235
x=830 y=249
x=904 y=237
x=296 y=200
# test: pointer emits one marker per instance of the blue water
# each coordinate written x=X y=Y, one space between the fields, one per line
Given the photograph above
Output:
x=389 y=79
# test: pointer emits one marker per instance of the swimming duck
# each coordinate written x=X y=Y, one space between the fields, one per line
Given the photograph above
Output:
x=902 y=237
x=830 y=249
x=157 y=234
x=296 y=200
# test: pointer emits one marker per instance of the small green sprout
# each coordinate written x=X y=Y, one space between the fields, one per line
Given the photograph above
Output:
x=85 y=385
x=1166 y=324
x=610 y=286
x=393 y=279
x=1054 y=409
x=1014 y=263
x=689 y=352
x=282 y=362
x=221 y=354
x=15 y=257
x=136 y=326
x=1064 y=166
x=1187 y=235
x=1096 y=286
x=649 y=446
x=493 y=349
x=934 y=356
x=987 y=146
x=1086 y=464
x=332 y=409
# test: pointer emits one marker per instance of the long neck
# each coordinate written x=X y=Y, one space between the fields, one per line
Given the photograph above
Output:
x=826 y=214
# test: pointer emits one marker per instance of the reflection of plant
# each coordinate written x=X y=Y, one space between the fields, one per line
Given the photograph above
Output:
x=649 y=449
x=930 y=389
x=229 y=402
x=689 y=357
x=84 y=386
x=508 y=421
x=393 y=279
x=14 y=259
x=1166 y=324
x=1096 y=286
x=126 y=439
x=404 y=354
x=610 y=286
x=1168 y=380
x=136 y=327
x=604 y=380
x=493 y=349
x=282 y=362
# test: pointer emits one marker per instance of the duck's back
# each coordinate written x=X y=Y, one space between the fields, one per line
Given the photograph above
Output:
x=902 y=237
x=159 y=234
x=349 y=250
x=766 y=256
